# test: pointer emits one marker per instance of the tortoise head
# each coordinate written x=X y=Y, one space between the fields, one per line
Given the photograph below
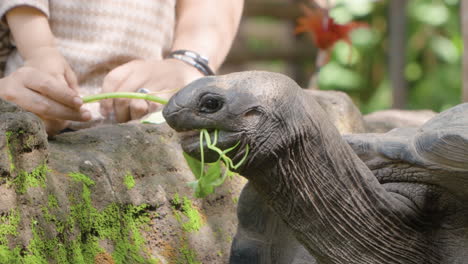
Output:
x=253 y=108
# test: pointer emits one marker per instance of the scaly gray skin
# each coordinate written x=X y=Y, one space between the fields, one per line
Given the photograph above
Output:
x=412 y=210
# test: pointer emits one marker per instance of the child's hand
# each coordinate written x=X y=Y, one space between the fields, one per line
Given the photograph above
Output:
x=163 y=78
x=45 y=95
x=49 y=60
x=46 y=85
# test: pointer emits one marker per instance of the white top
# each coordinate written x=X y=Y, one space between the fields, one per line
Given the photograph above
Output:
x=97 y=36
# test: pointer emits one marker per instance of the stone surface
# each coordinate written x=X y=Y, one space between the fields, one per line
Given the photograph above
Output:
x=341 y=110
x=178 y=229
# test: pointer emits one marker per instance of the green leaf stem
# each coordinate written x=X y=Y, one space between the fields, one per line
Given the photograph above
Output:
x=211 y=175
x=101 y=96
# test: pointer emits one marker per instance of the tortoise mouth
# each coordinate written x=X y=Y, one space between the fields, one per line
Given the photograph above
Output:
x=190 y=142
x=189 y=137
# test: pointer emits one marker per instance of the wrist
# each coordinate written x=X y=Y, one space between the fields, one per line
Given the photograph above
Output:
x=193 y=59
x=30 y=30
x=47 y=51
x=189 y=72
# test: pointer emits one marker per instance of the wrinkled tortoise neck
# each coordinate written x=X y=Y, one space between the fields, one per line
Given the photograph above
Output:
x=332 y=201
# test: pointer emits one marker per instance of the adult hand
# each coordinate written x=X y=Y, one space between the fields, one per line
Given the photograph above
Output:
x=45 y=95
x=161 y=77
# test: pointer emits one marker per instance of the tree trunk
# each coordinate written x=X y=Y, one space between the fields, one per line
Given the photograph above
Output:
x=464 y=21
x=397 y=53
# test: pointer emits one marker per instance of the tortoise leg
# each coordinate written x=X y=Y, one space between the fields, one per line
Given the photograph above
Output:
x=262 y=237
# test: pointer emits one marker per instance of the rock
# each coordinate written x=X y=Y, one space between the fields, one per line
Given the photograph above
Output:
x=110 y=194
x=340 y=108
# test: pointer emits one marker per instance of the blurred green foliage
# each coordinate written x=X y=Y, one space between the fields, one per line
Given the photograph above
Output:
x=433 y=55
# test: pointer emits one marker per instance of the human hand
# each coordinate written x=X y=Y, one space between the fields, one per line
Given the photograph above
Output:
x=161 y=77
x=49 y=60
x=45 y=95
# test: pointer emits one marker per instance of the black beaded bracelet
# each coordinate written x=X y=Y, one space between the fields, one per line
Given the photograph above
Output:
x=194 y=59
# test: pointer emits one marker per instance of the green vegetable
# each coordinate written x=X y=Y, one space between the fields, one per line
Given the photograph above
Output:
x=210 y=175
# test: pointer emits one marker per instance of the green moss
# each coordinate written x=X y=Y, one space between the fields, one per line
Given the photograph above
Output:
x=185 y=207
x=122 y=226
x=30 y=141
x=79 y=233
x=39 y=248
x=9 y=256
x=8 y=135
x=190 y=219
x=9 y=144
x=61 y=253
x=35 y=178
x=8 y=226
x=187 y=256
x=129 y=181
x=23 y=180
x=80 y=177
x=195 y=221
x=176 y=201
x=37 y=252
x=52 y=201
x=119 y=224
x=52 y=204
x=47 y=215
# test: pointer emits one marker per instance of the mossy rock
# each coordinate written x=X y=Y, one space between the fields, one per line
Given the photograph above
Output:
x=111 y=194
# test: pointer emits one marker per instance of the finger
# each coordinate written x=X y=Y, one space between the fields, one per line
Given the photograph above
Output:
x=122 y=110
x=138 y=108
x=71 y=78
x=122 y=106
x=153 y=107
x=50 y=109
x=112 y=83
x=49 y=87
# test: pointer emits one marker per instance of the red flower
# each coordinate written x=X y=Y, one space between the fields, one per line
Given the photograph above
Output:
x=325 y=32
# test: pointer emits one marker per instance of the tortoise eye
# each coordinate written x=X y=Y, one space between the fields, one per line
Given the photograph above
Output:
x=210 y=104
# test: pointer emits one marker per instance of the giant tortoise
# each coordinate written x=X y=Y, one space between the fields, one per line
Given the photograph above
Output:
x=399 y=197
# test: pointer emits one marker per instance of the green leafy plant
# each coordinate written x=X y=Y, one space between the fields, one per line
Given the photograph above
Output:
x=211 y=175
x=208 y=175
